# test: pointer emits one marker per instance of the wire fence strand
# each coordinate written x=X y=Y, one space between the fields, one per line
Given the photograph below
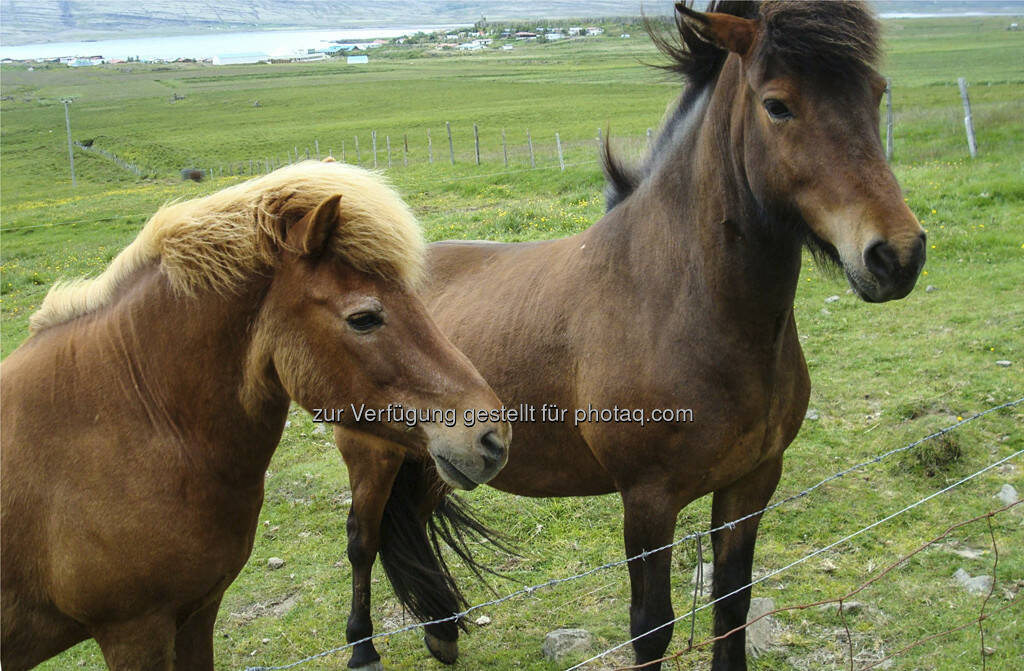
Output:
x=529 y=590
x=868 y=583
x=802 y=559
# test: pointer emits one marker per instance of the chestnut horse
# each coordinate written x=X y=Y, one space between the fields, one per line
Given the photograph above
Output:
x=681 y=296
x=140 y=416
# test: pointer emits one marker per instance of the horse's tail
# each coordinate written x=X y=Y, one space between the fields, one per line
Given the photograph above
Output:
x=411 y=551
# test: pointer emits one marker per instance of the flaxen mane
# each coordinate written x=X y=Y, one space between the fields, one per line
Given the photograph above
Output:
x=216 y=242
x=831 y=40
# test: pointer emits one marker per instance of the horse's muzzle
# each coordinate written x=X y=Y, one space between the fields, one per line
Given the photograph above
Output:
x=890 y=273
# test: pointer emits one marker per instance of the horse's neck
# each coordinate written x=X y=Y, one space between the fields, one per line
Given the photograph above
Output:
x=692 y=228
x=182 y=359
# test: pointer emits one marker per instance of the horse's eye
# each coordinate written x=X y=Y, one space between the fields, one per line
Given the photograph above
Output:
x=777 y=110
x=364 y=322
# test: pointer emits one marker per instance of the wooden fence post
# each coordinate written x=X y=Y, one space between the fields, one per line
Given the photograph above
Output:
x=316 y=143
x=373 y=141
x=344 y=153
x=504 y=146
x=451 y=146
x=648 y=137
x=387 y=141
x=888 y=119
x=558 y=143
x=529 y=142
x=972 y=144
x=251 y=172
x=296 y=155
x=405 y=151
x=599 y=137
x=476 y=142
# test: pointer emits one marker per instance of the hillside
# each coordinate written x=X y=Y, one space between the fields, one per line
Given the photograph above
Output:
x=26 y=21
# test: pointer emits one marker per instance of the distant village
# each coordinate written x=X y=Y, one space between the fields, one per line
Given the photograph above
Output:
x=478 y=38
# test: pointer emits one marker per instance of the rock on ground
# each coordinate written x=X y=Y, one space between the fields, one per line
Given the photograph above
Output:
x=761 y=634
x=978 y=585
x=275 y=562
x=1007 y=494
x=560 y=643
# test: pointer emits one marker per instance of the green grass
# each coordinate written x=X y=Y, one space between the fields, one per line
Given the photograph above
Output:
x=883 y=375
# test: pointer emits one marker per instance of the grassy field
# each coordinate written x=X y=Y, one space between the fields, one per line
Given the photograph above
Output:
x=883 y=375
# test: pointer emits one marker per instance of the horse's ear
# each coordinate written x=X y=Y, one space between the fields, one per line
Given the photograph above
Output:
x=725 y=31
x=313 y=232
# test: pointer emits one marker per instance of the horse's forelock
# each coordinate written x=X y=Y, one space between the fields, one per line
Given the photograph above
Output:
x=821 y=39
x=217 y=242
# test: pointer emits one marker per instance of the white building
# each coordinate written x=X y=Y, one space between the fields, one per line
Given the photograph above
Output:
x=241 y=58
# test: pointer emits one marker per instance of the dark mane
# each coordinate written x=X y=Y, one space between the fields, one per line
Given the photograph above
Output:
x=821 y=38
x=837 y=37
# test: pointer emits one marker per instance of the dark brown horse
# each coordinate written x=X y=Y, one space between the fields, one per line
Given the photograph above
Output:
x=140 y=416
x=681 y=296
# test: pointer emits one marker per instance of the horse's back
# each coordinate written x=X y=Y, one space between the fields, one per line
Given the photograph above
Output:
x=552 y=323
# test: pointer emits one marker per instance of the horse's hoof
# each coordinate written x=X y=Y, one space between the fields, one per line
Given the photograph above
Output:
x=445 y=652
x=372 y=666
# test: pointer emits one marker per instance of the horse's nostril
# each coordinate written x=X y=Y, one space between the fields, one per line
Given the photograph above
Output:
x=881 y=259
x=493 y=446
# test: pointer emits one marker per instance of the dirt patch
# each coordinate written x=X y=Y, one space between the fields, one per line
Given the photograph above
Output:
x=273 y=608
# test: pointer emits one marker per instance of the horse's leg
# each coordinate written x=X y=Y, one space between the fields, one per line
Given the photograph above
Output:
x=193 y=646
x=372 y=468
x=650 y=519
x=142 y=644
x=734 y=558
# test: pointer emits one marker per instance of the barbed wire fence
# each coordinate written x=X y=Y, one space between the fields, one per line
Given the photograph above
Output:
x=531 y=589
x=840 y=600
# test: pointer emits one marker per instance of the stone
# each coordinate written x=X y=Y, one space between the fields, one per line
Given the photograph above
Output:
x=275 y=563
x=761 y=634
x=483 y=621
x=1004 y=363
x=930 y=288
x=319 y=429
x=561 y=643
x=812 y=415
x=978 y=585
x=849 y=607
x=1007 y=494
x=832 y=299
x=709 y=574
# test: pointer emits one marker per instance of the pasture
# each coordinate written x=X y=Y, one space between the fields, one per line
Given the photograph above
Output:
x=882 y=375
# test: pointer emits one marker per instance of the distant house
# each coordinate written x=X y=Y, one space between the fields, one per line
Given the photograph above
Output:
x=241 y=58
x=508 y=47
x=574 y=31
x=358 y=60
x=556 y=36
x=333 y=49
x=624 y=36
x=81 y=61
x=475 y=45
x=526 y=35
x=316 y=56
x=593 y=30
